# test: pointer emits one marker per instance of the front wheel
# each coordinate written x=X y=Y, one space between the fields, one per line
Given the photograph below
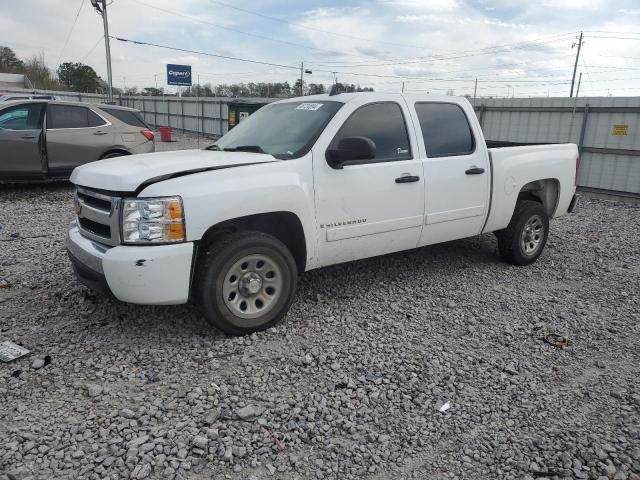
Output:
x=246 y=282
x=524 y=239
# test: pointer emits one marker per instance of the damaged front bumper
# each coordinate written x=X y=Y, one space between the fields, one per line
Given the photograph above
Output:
x=152 y=275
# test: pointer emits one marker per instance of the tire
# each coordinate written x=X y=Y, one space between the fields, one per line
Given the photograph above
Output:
x=246 y=269
x=113 y=155
x=523 y=241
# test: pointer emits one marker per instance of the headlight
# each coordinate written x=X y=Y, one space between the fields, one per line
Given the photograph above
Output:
x=153 y=220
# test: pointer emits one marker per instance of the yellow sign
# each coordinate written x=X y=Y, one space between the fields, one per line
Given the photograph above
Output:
x=621 y=130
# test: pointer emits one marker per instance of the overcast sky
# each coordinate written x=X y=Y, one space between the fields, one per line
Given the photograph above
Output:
x=521 y=47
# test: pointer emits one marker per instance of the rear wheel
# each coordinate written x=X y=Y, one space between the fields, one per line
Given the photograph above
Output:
x=246 y=282
x=524 y=239
x=113 y=155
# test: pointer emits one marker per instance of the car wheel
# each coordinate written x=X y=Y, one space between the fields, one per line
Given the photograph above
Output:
x=113 y=155
x=523 y=241
x=245 y=282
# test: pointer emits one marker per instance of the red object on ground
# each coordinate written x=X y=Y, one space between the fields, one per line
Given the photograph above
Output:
x=165 y=134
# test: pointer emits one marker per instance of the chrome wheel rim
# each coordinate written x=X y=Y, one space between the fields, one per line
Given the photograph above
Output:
x=532 y=235
x=252 y=286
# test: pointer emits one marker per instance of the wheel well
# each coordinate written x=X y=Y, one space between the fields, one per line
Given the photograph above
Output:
x=545 y=191
x=115 y=150
x=285 y=226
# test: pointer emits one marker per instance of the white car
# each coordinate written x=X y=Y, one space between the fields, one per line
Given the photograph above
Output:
x=304 y=183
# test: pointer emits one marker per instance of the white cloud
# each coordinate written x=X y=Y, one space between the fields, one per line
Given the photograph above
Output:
x=431 y=5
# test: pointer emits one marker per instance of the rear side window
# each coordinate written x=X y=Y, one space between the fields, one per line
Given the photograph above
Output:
x=384 y=124
x=67 y=116
x=445 y=129
x=127 y=116
x=95 y=120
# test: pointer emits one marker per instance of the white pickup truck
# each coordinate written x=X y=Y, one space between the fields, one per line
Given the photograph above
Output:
x=301 y=184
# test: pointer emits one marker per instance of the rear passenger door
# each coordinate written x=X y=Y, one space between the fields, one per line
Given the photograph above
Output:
x=456 y=171
x=21 y=149
x=370 y=207
x=75 y=135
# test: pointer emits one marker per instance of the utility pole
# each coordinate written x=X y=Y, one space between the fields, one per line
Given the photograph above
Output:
x=302 y=72
x=301 y=78
x=475 y=90
x=575 y=65
x=101 y=8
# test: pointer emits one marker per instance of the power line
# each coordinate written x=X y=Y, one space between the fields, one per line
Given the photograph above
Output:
x=461 y=54
x=75 y=20
x=328 y=32
x=215 y=25
x=166 y=47
x=92 y=49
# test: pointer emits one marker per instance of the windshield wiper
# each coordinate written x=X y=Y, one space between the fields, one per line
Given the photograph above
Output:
x=245 y=148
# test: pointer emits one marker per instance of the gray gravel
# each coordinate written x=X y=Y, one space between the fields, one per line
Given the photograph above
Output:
x=351 y=385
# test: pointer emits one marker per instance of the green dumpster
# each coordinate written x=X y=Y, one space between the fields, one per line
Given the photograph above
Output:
x=240 y=110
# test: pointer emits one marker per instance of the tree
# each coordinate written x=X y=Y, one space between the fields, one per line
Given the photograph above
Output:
x=9 y=63
x=39 y=74
x=78 y=77
x=153 y=92
x=316 y=89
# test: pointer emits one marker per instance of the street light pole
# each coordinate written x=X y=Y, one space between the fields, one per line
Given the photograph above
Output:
x=101 y=8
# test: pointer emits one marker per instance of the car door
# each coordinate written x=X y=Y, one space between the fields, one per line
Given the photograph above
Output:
x=456 y=171
x=75 y=135
x=21 y=149
x=375 y=206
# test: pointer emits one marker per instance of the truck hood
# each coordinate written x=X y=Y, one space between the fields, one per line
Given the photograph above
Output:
x=130 y=173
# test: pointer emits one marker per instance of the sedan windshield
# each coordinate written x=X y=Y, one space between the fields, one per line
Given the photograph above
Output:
x=284 y=130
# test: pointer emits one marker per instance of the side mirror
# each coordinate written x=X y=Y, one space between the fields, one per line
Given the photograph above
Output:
x=351 y=149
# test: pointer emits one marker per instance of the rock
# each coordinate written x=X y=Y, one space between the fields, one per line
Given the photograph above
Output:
x=37 y=364
x=136 y=442
x=127 y=413
x=200 y=441
x=94 y=390
x=141 y=471
x=248 y=412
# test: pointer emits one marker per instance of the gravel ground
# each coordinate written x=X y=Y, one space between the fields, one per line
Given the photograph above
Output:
x=351 y=385
x=182 y=141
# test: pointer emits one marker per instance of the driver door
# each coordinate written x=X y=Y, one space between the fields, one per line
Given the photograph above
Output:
x=21 y=141
x=375 y=206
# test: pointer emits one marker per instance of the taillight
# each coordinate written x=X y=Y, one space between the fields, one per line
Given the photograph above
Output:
x=148 y=134
x=577 y=168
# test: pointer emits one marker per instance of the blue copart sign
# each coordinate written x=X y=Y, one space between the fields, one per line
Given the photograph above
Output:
x=179 y=75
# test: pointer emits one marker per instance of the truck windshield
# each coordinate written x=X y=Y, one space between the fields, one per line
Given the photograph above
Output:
x=284 y=130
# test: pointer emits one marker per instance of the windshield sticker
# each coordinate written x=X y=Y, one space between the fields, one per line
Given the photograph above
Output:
x=309 y=106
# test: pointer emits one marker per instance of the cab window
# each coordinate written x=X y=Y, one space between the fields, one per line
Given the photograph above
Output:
x=384 y=124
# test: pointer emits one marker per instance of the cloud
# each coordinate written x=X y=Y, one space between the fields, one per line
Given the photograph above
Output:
x=431 y=5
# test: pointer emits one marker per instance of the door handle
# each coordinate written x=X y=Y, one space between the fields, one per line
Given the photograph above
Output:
x=99 y=133
x=28 y=137
x=407 y=179
x=474 y=170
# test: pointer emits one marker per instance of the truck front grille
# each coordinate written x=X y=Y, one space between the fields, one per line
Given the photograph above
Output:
x=98 y=215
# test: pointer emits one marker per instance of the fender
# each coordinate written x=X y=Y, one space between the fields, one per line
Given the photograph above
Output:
x=217 y=195
x=515 y=167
